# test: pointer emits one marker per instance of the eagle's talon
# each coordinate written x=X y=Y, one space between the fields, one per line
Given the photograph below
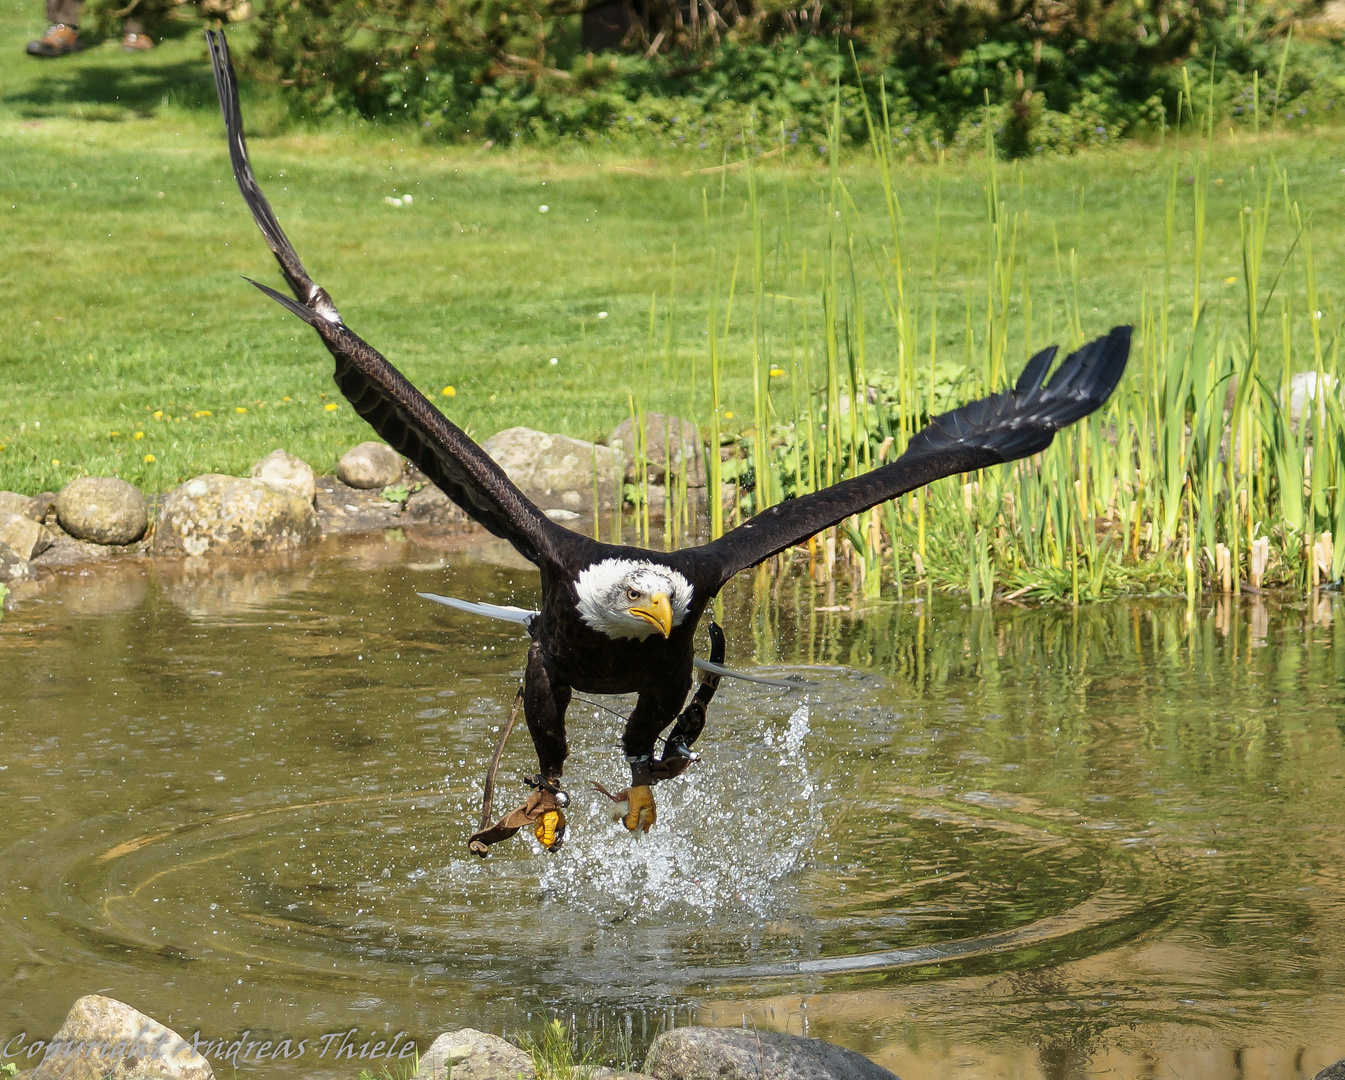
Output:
x=641 y=813
x=550 y=829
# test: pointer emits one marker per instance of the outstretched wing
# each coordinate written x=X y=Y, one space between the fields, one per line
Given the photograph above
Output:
x=393 y=407
x=1000 y=428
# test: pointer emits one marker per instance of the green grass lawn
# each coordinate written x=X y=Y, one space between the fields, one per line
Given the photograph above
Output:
x=124 y=239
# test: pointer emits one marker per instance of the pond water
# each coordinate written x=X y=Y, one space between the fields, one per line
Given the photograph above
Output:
x=1010 y=842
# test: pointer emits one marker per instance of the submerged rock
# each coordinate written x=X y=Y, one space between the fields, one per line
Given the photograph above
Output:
x=104 y=1039
x=669 y=440
x=284 y=471
x=1332 y=1072
x=232 y=515
x=704 y=1053
x=103 y=510
x=556 y=471
x=369 y=465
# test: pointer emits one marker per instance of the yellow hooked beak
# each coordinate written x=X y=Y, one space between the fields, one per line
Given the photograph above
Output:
x=658 y=613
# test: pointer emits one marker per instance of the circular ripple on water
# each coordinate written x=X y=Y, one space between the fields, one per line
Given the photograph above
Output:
x=760 y=866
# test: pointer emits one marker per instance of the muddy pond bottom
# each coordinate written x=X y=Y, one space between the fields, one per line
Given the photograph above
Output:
x=1001 y=842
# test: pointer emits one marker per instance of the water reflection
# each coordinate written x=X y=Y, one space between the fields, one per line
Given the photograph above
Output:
x=1016 y=841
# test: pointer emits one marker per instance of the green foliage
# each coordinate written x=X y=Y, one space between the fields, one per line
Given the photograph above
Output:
x=9 y=1069
x=394 y=1071
x=1043 y=81
x=555 y=1054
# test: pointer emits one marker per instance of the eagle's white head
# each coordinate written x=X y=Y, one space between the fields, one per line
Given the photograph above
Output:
x=630 y=598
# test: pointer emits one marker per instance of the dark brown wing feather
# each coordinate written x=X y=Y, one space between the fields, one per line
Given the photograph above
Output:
x=996 y=429
x=378 y=391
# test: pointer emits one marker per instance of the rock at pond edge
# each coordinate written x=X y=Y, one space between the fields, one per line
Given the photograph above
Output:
x=369 y=465
x=102 y=510
x=105 y=1038
x=285 y=471
x=704 y=1053
x=232 y=515
x=557 y=472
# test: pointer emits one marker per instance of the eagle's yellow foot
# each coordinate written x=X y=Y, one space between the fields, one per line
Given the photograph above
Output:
x=550 y=829
x=640 y=808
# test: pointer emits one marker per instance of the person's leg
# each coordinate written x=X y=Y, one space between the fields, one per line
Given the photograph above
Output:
x=62 y=34
x=133 y=36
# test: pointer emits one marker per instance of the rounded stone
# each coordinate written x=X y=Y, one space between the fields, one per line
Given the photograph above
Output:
x=703 y=1053
x=102 y=509
x=231 y=515
x=285 y=471
x=369 y=465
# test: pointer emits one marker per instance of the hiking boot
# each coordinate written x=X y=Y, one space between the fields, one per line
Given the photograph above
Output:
x=133 y=42
x=57 y=41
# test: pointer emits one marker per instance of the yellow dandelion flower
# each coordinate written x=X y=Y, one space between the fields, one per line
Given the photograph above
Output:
x=113 y=434
x=149 y=459
x=331 y=406
x=239 y=409
x=285 y=398
x=158 y=415
x=138 y=435
x=777 y=372
x=1229 y=280
x=55 y=461
x=448 y=391
x=202 y=412
x=728 y=416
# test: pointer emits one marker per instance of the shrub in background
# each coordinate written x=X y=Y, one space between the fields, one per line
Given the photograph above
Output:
x=1045 y=76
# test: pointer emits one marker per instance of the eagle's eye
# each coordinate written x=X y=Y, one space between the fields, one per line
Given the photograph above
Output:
x=632 y=594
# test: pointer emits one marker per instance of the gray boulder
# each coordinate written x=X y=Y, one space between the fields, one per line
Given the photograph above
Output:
x=556 y=471
x=369 y=465
x=669 y=440
x=11 y=502
x=430 y=506
x=103 y=510
x=702 y=1053
x=469 y=1054
x=1332 y=1072
x=1302 y=390
x=12 y=567
x=285 y=472
x=229 y=515
x=22 y=535
x=104 y=1038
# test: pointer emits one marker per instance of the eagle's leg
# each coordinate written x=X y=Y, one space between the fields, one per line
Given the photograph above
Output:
x=652 y=714
x=544 y=705
x=690 y=723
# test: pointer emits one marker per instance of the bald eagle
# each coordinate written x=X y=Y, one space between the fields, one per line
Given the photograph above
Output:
x=621 y=620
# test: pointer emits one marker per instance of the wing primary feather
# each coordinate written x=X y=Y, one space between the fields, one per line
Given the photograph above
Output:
x=226 y=86
x=1030 y=381
x=289 y=305
x=1003 y=427
x=379 y=392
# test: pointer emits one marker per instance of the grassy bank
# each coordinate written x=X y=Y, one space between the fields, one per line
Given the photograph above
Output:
x=130 y=346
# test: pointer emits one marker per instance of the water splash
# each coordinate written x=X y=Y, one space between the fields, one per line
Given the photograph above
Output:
x=731 y=833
